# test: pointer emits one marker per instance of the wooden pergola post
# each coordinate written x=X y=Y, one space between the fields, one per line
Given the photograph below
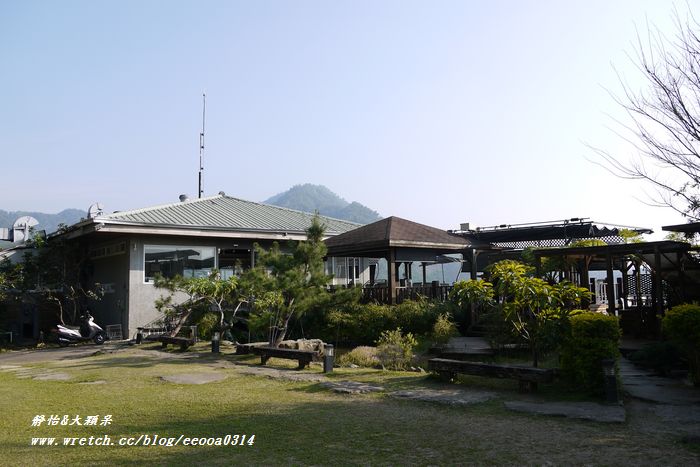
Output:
x=391 y=272
x=610 y=284
x=583 y=264
x=472 y=263
x=658 y=288
x=681 y=276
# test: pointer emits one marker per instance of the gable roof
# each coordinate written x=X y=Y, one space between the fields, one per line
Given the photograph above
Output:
x=226 y=212
x=206 y=216
x=394 y=232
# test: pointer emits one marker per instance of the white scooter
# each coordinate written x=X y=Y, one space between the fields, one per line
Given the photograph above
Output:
x=88 y=330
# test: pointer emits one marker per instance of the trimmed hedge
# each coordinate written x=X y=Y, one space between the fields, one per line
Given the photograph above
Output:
x=681 y=325
x=593 y=337
x=361 y=324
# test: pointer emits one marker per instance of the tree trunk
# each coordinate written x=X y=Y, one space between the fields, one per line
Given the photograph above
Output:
x=534 y=356
x=281 y=333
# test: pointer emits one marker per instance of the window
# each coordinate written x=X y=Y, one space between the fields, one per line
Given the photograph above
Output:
x=171 y=260
x=234 y=261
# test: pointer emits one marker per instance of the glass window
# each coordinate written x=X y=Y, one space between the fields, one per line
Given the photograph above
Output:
x=232 y=262
x=171 y=260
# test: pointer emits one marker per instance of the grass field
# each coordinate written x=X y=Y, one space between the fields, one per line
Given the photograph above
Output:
x=298 y=423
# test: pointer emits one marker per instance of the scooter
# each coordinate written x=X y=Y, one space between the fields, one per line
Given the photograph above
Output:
x=88 y=330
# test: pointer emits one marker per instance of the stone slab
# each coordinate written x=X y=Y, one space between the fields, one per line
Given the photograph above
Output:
x=289 y=375
x=676 y=413
x=52 y=377
x=9 y=367
x=351 y=387
x=194 y=378
x=445 y=396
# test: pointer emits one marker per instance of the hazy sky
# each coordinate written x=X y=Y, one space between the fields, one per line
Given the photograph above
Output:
x=437 y=111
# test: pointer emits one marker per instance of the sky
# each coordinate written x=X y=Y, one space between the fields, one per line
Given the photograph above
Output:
x=440 y=112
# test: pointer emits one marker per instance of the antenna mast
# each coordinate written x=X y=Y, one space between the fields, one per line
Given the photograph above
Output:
x=201 y=145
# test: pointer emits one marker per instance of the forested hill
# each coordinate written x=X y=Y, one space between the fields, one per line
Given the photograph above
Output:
x=311 y=198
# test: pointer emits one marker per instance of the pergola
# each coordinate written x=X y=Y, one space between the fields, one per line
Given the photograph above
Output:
x=400 y=241
x=666 y=259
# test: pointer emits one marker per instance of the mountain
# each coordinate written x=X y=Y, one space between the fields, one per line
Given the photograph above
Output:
x=47 y=222
x=311 y=198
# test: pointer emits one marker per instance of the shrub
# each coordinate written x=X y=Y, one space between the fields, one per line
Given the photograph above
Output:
x=682 y=326
x=593 y=337
x=395 y=350
x=415 y=316
x=206 y=324
x=364 y=323
x=444 y=328
x=363 y=356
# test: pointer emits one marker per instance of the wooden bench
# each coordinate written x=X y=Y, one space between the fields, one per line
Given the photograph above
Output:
x=304 y=357
x=183 y=342
x=527 y=377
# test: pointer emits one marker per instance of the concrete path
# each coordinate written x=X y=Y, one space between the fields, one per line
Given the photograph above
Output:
x=60 y=353
x=643 y=384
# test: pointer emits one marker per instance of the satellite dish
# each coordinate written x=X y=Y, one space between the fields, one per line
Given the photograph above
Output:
x=94 y=210
x=21 y=228
x=25 y=222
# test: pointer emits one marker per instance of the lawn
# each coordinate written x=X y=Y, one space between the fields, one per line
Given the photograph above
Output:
x=295 y=423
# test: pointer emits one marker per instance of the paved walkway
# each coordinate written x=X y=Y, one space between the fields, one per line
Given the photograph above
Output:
x=643 y=384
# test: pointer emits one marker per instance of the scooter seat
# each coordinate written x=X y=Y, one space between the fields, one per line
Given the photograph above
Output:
x=65 y=326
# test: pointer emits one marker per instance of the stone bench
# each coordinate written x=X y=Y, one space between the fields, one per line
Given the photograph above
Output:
x=527 y=377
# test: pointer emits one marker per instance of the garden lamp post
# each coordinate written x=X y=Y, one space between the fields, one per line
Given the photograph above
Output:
x=328 y=358
x=215 y=341
x=610 y=378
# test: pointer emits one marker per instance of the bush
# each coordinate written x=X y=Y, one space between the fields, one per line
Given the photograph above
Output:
x=682 y=327
x=593 y=337
x=364 y=323
x=444 y=328
x=395 y=350
x=206 y=324
x=363 y=356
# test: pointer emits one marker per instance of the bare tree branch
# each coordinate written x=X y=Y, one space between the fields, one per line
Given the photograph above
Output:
x=664 y=126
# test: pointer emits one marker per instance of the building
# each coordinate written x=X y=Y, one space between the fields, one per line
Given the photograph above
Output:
x=191 y=238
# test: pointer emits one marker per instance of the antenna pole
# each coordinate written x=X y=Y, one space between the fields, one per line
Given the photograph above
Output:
x=201 y=145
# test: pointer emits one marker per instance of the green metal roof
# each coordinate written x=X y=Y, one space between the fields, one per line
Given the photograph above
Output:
x=227 y=213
